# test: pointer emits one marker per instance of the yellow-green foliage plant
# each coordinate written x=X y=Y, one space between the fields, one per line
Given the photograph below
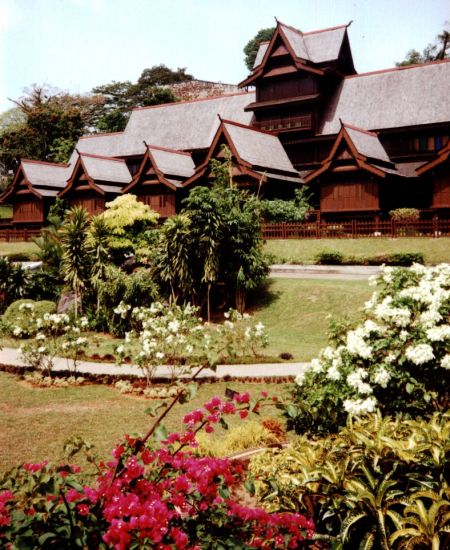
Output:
x=249 y=435
x=364 y=485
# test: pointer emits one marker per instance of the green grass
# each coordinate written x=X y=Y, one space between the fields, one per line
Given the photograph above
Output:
x=6 y=211
x=295 y=312
x=303 y=251
x=36 y=422
x=14 y=248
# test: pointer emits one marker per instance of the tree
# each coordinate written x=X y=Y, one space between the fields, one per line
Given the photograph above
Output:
x=215 y=247
x=97 y=241
x=433 y=52
x=75 y=258
x=252 y=46
x=151 y=88
x=48 y=126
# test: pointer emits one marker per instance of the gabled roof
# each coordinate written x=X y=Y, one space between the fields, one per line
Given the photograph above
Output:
x=365 y=150
x=307 y=50
x=442 y=156
x=106 y=144
x=172 y=163
x=104 y=169
x=187 y=125
x=43 y=179
x=104 y=175
x=258 y=153
x=393 y=98
x=169 y=167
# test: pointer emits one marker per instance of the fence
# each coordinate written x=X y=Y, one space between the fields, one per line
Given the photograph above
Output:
x=356 y=229
x=16 y=235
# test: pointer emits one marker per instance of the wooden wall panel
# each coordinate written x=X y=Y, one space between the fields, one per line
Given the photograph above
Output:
x=348 y=196
x=163 y=203
x=94 y=205
x=28 y=210
x=441 y=191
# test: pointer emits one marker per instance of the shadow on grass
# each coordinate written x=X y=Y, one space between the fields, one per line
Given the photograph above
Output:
x=263 y=296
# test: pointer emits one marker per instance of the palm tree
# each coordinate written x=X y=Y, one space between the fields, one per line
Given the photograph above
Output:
x=75 y=259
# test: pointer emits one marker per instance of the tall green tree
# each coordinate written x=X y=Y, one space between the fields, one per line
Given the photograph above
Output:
x=76 y=264
x=252 y=46
x=439 y=49
x=218 y=245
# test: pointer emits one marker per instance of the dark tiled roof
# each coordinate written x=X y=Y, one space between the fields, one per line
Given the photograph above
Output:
x=394 y=98
x=187 y=125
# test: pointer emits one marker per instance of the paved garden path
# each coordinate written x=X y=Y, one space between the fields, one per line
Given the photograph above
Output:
x=346 y=272
x=11 y=356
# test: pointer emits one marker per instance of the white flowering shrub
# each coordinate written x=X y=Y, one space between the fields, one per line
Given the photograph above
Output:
x=397 y=359
x=49 y=336
x=176 y=337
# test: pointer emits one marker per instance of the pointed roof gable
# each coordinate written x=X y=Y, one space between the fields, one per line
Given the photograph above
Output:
x=442 y=156
x=103 y=174
x=363 y=147
x=258 y=153
x=306 y=49
x=170 y=167
x=43 y=179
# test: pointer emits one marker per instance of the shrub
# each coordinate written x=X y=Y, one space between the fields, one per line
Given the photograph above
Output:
x=397 y=359
x=13 y=282
x=329 y=257
x=137 y=290
x=405 y=214
x=44 y=285
x=21 y=256
x=157 y=495
x=17 y=314
x=363 y=486
x=278 y=210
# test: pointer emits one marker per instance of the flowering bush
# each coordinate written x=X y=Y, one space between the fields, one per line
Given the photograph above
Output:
x=49 y=336
x=174 y=336
x=164 y=497
x=398 y=359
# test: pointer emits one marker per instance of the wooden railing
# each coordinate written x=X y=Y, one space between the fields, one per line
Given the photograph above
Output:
x=17 y=235
x=356 y=229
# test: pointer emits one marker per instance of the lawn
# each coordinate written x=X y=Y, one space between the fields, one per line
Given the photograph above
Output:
x=36 y=422
x=296 y=312
x=6 y=211
x=14 y=248
x=303 y=251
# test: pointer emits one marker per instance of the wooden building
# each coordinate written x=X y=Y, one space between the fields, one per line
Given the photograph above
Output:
x=159 y=180
x=390 y=151
x=33 y=191
x=94 y=181
x=438 y=171
x=259 y=162
x=356 y=177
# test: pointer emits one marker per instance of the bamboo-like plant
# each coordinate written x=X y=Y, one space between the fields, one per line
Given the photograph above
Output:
x=75 y=260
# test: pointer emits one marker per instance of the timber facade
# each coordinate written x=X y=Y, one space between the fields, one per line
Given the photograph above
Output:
x=363 y=143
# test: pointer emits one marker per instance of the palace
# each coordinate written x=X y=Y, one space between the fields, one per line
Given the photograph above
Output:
x=363 y=143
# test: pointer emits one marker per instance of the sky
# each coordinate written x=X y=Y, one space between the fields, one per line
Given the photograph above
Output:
x=75 y=45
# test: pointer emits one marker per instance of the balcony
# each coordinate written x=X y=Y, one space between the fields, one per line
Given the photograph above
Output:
x=304 y=122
